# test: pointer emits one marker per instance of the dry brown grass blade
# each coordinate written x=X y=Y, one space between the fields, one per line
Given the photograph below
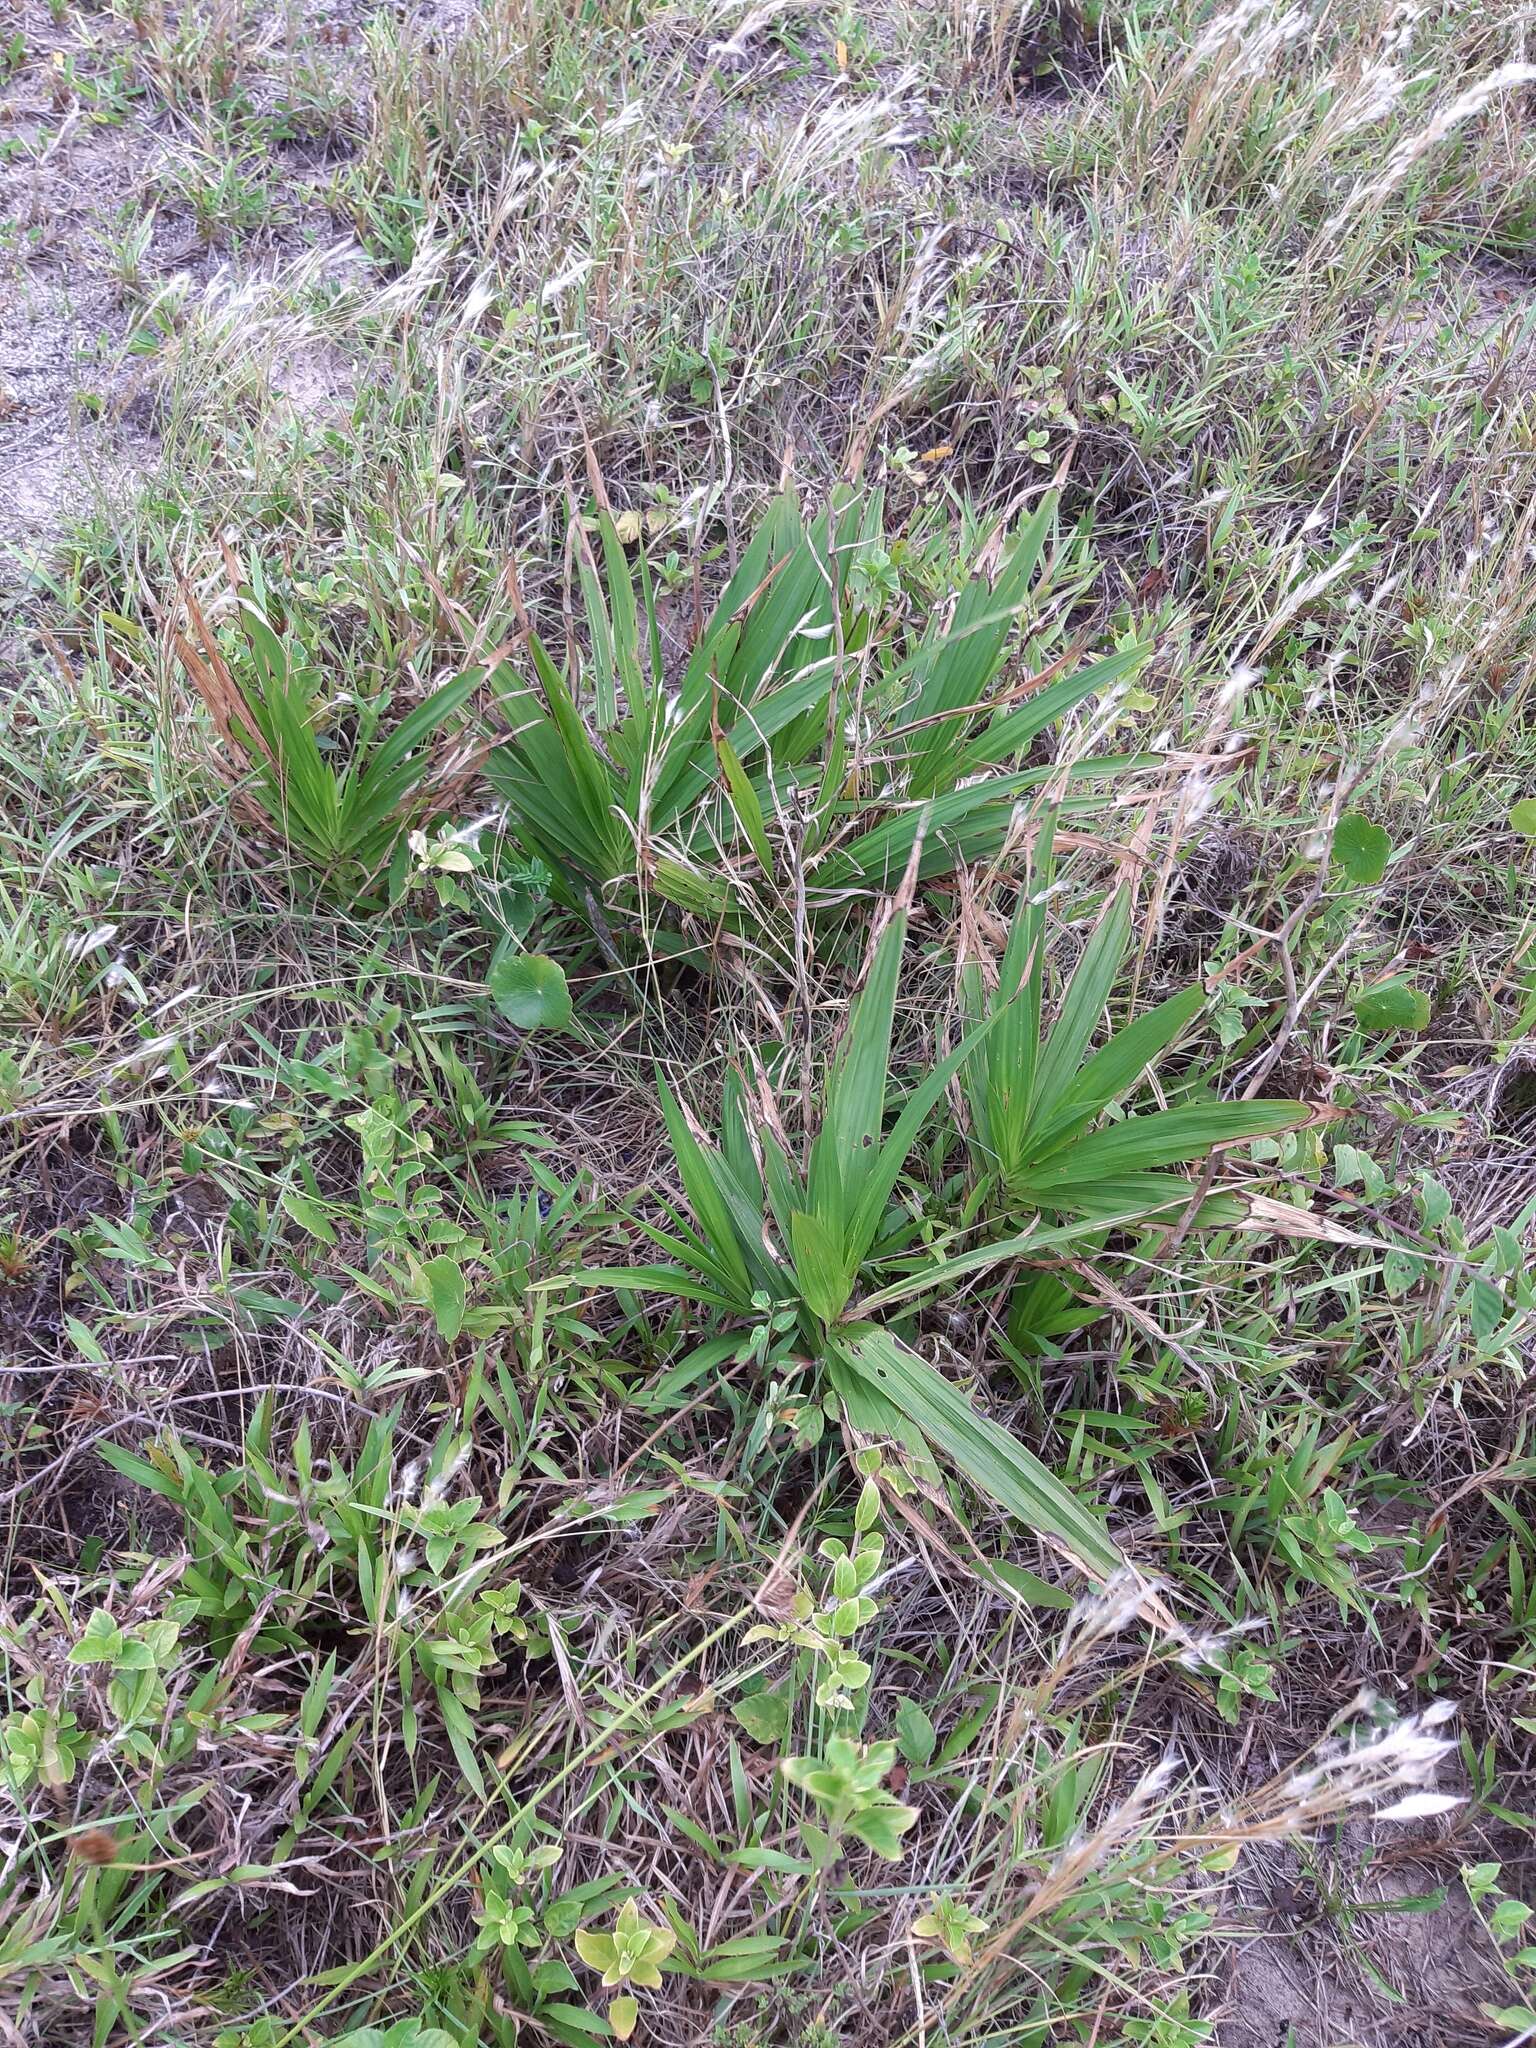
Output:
x=454 y=774
x=1285 y=1220
x=215 y=684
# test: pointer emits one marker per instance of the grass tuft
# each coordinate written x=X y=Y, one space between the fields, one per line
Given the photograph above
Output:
x=766 y=974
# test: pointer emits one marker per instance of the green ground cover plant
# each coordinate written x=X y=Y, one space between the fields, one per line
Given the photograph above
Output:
x=766 y=972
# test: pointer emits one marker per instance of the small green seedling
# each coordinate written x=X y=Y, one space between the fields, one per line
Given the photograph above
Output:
x=847 y=1782
x=632 y=1952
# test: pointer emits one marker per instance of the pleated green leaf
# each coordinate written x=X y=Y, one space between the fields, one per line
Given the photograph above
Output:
x=981 y=1450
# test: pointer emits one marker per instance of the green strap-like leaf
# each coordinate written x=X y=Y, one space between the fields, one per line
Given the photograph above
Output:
x=653 y=1280
x=1126 y=1198
x=1083 y=1004
x=711 y=1211
x=985 y=1454
x=872 y=1415
x=1170 y=1137
x=745 y=805
x=957 y=669
x=845 y=1151
x=420 y=724
x=1111 y=1072
x=1012 y=731
x=890 y=1157
x=1000 y=1076
x=821 y=1273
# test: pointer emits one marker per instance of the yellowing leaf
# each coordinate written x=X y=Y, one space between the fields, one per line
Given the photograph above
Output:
x=764 y=1716
x=627 y=526
x=596 y=1950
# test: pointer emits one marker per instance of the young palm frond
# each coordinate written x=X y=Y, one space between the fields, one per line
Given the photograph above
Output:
x=806 y=752
x=1035 y=1097
x=765 y=1236
x=349 y=821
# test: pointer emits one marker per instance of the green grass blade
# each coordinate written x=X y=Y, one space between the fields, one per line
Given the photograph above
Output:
x=958 y=668
x=873 y=1416
x=613 y=628
x=932 y=1275
x=745 y=804
x=589 y=772
x=1126 y=1198
x=721 y=653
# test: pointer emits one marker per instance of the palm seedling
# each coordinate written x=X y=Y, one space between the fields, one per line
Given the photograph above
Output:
x=265 y=693
x=1035 y=1096
x=806 y=1247
x=807 y=750
x=1038 y=1101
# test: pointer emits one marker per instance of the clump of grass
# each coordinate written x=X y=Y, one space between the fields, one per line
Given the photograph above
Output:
x=858 y=1446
